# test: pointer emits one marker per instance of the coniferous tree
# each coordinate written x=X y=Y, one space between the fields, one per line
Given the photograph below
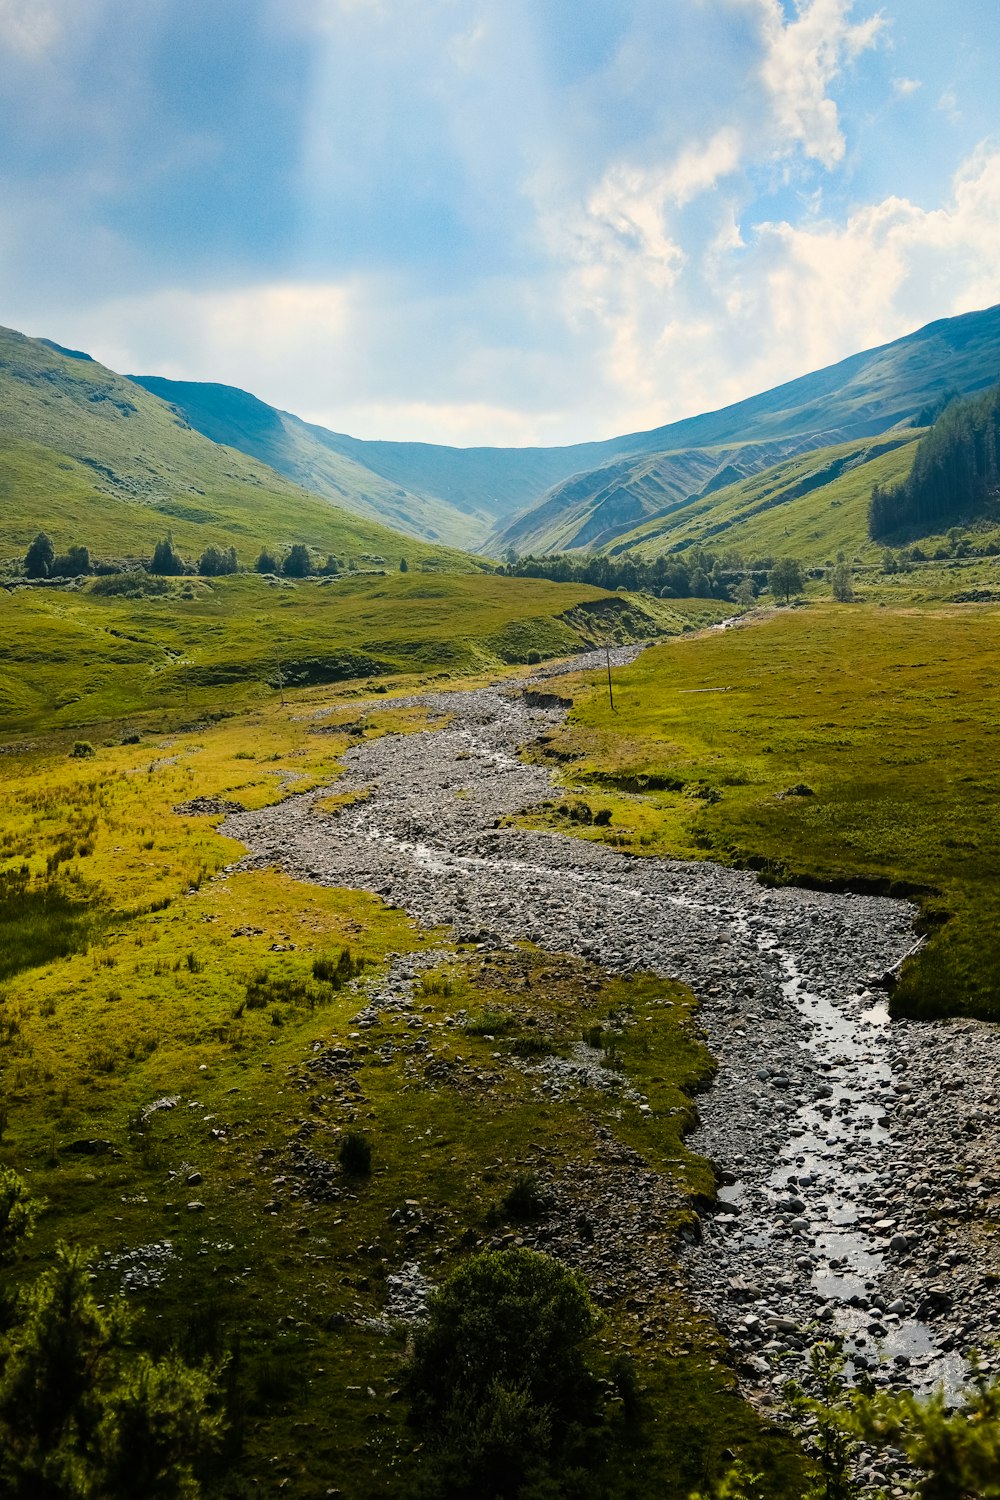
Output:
x=166 y=560
x=955 y=474
x=39 y=557
x=81 y=1415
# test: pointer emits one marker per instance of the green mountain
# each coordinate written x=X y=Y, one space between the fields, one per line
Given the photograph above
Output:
x=587 y=494
x=591 y=510
x=810 y=507
x=92 y=458
x=863 y=396
x=453 y=494
x=309 y=456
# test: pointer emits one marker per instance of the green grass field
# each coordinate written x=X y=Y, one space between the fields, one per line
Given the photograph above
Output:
x=182 y=983
x=71 y=657
x=890 y=715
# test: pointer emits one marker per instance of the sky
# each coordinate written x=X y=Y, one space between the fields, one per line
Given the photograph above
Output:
x=495 y=221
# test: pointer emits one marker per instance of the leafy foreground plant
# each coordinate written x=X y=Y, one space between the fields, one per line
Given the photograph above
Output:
x=499 y=1383
x=954 y=1451
x=82 y=1415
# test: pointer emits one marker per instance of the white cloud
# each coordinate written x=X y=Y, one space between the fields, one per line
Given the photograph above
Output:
x=904 y=87
x=807 y=296
x=802 y=59
x=30 y=27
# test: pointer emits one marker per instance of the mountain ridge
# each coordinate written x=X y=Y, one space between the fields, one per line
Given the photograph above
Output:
x=83 y=447
x=495 y=498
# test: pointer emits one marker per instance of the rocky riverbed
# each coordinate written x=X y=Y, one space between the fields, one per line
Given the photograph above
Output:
x=858 y=1159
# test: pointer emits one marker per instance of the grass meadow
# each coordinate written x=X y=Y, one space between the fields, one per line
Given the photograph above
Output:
x=179 y=1058
x=72 y=657
x=890 y=715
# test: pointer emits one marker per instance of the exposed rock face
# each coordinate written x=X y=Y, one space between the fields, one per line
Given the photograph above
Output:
x=858 y=1159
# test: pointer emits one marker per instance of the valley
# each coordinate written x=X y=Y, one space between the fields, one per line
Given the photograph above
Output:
x=350 y=932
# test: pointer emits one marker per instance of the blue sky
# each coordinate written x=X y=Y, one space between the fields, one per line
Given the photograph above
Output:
x=495 y=221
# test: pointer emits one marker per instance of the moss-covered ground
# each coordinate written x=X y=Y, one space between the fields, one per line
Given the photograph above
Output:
x=889 y=716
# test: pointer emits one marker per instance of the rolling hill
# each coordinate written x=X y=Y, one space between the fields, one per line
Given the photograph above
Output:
x=584 y=495
x=863 y=396
x=92 y=458
x=810 y=507
x=308 y=456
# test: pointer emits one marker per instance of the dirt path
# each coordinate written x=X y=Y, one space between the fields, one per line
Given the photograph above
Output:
x=856 y=1157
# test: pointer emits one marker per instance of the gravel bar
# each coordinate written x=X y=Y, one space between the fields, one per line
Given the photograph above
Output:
x=857 y=1157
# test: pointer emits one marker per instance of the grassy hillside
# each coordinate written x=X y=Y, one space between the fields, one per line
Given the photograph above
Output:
x=860 y=397
x=82 y=445
x=810 y=507
x=579 y=513
x=306 y=454
x=889 y=715
x=70 y=657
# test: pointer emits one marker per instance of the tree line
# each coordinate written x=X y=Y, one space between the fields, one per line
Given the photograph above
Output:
x=955 y=474
x=42 y=561
x=697 y=574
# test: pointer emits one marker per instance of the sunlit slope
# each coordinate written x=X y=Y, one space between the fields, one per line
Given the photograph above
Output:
x=810 y=507
x=307 y=455
x=431 y=487
x=576 y=515
x=83 y=447
x=70 y=657
x=863 y=396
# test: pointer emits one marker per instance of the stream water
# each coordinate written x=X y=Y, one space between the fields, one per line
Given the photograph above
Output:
x=815 y=1226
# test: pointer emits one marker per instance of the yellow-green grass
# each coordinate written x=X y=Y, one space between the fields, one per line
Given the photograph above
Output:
x=890 y=716
x=158 y=1009
x=70 y=657
x=765 y=516
x=155 y=1002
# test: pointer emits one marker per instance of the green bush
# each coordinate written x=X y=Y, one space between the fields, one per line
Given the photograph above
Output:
x=355 y=1154
x=499 y=1383
x=525 y=1199
x=82 y=749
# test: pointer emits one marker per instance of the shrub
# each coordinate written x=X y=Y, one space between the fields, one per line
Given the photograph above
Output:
x=39 y=557
x=71 y=564
x=298 y=563
x=337 y=972
x=266 y=562
x=166 y=562
x=81 y=749
x=215 y=562
x=355 y=1154
x=525 y=1199
x=498 y=1381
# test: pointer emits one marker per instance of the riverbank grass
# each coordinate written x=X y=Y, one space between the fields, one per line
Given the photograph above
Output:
x=856 y=747
x=177 y=1081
